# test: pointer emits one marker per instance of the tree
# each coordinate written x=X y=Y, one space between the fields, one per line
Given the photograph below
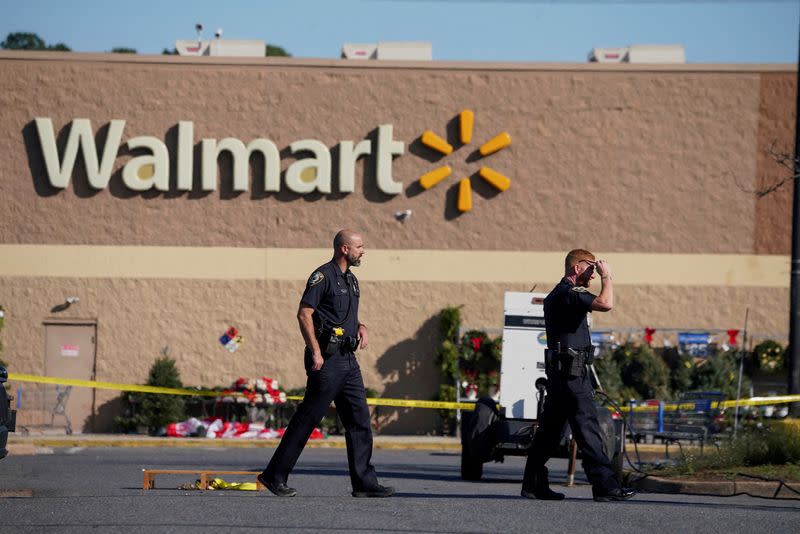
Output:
x=159 y=410
x=784 y=159
x=123 y=50
x=792 y=164
x=23 y=41
x=30 y=41
x=273 y=50
x=169 y=52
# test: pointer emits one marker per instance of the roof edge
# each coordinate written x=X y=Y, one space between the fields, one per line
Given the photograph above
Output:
x=86 y=57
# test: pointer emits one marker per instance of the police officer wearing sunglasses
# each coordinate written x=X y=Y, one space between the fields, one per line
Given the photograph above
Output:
x=328 y=317
x=570 y=395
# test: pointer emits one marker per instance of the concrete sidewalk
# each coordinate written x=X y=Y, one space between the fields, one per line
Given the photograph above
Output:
x=19 y=444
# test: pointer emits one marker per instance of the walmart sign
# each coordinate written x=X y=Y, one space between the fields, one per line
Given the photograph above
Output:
x=151 y=170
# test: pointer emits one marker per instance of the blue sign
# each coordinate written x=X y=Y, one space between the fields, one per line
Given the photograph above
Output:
x=694 y=343
x=602 y=338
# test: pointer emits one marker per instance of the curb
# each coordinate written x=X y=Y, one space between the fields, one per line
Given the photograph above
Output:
x=720 y=488
x=28 y=444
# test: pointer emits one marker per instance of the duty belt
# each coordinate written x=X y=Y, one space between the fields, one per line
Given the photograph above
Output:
x=570 y=362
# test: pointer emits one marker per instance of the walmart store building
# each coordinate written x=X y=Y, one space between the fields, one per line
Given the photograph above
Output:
x=152 y=202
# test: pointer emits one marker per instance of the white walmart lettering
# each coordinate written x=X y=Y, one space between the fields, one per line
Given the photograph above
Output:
x=151 y=170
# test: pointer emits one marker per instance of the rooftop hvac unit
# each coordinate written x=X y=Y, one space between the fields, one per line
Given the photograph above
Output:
x=656 y=54
x=608 y=55
x=389 y=50
x=191 y=47
x=405 y=50
x=359 y=51
x=221 y=47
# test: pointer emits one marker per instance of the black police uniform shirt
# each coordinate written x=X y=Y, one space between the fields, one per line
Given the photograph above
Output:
x=565 y=312
x=334 y=296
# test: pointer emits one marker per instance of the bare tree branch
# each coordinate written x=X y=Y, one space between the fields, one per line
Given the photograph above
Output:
x=784 y=159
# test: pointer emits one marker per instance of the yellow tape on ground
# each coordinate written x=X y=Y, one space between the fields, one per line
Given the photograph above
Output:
x=402 y=403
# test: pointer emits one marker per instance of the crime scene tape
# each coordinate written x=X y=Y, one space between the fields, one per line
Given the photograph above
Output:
x=116 y=386
x=752 y=401
x=397 y=403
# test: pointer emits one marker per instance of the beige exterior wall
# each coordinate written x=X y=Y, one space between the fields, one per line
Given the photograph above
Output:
x=648 y=166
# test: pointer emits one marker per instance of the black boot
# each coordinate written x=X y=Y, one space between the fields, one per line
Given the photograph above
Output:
x=617 y=494
x=539 y=488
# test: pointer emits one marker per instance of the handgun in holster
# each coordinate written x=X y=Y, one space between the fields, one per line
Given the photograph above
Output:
x=332 y=340
x=576 y=362
x=329 y=337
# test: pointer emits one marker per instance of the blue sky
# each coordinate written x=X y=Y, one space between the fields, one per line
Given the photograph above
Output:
x=472 y=30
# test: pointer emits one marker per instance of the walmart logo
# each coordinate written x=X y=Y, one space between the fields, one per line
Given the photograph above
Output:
x=466 y=120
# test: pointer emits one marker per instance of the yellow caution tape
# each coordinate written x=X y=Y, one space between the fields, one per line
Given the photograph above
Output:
x=761 y=401
x=402 y=403
x=753 y=401
x=219 y=484
x=438 y=405
x=398 y=403
x=112 y=385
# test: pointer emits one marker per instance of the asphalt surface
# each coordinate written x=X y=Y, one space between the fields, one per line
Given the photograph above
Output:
x=78 y=488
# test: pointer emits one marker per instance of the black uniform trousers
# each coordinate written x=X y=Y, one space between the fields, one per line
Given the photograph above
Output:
x=570 y=399
x=339 y=381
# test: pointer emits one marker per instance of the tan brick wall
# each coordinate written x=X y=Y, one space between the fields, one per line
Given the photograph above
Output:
x=136 y=319
x=775 y=136
x=616 y=160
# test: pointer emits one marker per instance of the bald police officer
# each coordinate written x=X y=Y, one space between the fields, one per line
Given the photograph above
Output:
x=328 y=317
x=570 y=395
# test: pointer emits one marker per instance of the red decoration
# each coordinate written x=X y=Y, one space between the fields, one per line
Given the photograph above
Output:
x=476 y=343
x=648 y=334
x=732 y=333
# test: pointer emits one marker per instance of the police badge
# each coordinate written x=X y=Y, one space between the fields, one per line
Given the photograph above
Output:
x=316 y=278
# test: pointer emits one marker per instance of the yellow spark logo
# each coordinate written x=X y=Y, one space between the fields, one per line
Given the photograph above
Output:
x=466 y=120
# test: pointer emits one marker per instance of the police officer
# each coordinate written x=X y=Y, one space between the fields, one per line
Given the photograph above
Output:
x=328 y=317
x=570 y=395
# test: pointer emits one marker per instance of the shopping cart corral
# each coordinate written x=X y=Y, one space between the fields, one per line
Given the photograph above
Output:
x=694 y=419
x=43 y=407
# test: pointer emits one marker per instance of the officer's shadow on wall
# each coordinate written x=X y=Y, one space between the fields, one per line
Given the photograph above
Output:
x=409 y=370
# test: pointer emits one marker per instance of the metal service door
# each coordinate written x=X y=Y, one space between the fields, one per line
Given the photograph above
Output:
x=524 y=341
x=70 y=353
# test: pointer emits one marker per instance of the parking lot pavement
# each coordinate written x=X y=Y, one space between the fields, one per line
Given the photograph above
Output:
x=76 y=488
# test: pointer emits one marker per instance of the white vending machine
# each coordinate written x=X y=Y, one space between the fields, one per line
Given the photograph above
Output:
x=524 y=341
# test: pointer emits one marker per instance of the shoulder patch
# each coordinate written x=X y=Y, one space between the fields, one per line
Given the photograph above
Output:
x=579 y=289
x=315 y=278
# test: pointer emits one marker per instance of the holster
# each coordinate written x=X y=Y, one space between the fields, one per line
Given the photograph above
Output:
x=328 y=342
x=569 y=363
x=331 y=343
